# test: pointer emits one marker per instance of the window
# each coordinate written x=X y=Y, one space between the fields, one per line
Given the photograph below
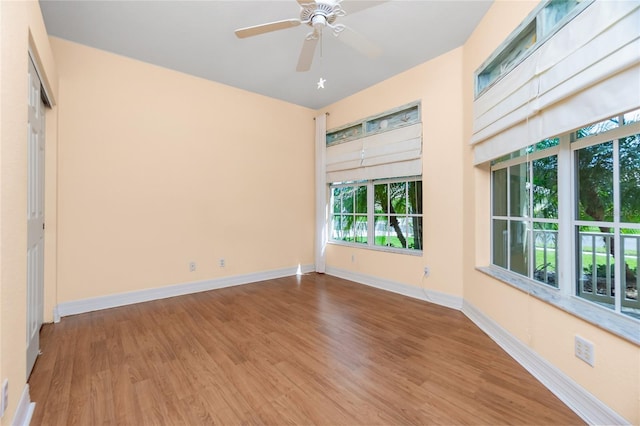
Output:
x=396 y=118
x=599 y=254
x=607 y=215
x=384 y=214
x=535 y=30
x=525 y=212
x=349 y=213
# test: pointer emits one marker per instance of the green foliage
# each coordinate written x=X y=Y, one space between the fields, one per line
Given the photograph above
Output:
x=630 y=179
x=595 y=180
x=392 y=201
x=545 y=187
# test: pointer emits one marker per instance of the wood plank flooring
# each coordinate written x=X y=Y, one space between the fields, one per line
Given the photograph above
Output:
x=313 y=349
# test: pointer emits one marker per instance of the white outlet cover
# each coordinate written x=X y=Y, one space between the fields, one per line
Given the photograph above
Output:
x=584 y=350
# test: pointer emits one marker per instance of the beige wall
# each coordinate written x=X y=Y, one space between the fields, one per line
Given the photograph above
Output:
x=550 y=332
x=21 y=29
x=155 y=169
x=437 y=85
x=158 y=168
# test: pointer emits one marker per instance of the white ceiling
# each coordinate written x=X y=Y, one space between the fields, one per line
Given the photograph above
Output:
x=197 y=38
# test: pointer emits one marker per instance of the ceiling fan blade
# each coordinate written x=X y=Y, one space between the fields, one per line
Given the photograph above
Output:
x=306 y=54
x=359 y=42
x=266 y=28
x=303 y=3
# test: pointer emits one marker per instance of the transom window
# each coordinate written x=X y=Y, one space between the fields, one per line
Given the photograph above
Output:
x=383 y=214
x=597 y=247
x=540 y=25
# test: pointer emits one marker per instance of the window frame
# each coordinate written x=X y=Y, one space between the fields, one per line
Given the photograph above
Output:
x=614 y=136
x=566 y=296
x=510 y=46
x=529 y=219
x=370 y=244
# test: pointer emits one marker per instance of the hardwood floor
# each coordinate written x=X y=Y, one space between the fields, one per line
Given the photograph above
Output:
x=299 y=350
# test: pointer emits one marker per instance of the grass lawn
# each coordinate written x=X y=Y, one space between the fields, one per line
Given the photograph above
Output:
x=601 y=258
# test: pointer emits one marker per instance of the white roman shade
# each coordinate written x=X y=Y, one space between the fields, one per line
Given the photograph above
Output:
x=587 y=71
x=394 y=153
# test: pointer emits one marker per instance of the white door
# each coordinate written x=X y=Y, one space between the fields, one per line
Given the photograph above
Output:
x=35 y=218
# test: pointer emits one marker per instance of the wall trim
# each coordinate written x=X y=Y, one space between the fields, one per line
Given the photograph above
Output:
x=432 y=296
x=583 y=403
x=121 y=299
x=24 y=411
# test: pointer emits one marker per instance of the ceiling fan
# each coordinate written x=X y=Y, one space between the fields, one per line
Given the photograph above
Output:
x=318 y=14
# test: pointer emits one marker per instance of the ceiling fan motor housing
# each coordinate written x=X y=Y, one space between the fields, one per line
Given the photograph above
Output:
x=320 y=13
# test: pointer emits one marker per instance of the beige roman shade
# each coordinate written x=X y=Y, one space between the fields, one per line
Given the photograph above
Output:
x=394 y=153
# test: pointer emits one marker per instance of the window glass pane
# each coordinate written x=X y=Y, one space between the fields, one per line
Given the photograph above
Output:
x=415 y=197
x=414 y=230
x=399 y=225
x=342 y=227
x=595 y=182
x=596 y=265
x=360 y=229
x=508 y=58
x=519 y=248
x=336 y=200
x=597 y=128
x=501 y=159
x=500 y=242
x=396 y=232
x=381 y=199
x=361 y=199
x=348 y=193
x=553 y=13
x=545 y=187
x=381 y=226
x=519 y=190
x=630 y=179
x=547 y=143
x=545 y=240
x=392 y=237
x=500 y=192
x=397 y=197
x=632 y=117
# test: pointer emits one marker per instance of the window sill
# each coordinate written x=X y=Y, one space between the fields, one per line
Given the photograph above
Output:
x=618 y=324
x=409 y=252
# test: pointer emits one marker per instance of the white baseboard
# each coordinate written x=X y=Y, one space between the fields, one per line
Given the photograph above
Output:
x=122 y=299
x=584 y=404
x=443 y=299
x=25 y=408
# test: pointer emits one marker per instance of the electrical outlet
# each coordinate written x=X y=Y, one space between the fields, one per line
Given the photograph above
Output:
x=4 y=399
x=427 y=271
x=221 y=262
x=353 y=258
x=192 y=266
x=584 y=350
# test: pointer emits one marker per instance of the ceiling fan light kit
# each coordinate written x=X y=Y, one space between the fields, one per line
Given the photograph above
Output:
x=318 y=14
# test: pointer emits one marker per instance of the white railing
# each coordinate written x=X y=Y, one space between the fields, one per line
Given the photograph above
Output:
x=597 y=254
x=545 y=269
